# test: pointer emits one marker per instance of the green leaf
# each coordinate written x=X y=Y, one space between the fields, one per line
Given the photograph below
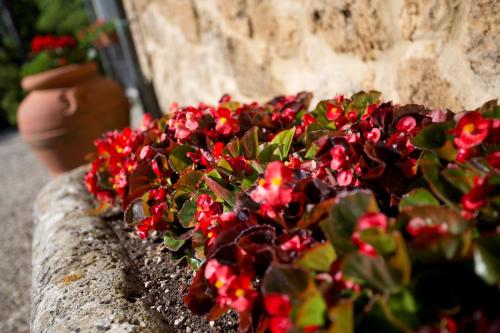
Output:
x=194 y=263
x=284 y=140
x=404 y=307
x=362 y=99
x=490 y=109
x=311 y=311
x=228 y=196
x=434 y=137
x=461 y=179
x=433 y=215
x=247 y=182
x=172 y=243
x=318 y=258
x=234 y=147
x=486 y=259
x=285 y=280
x=320 y=112
x=187 y=213
x=270 y=152
x=189 y=179
x=314 y=132
x=311 y=152
x=343 y=217
x=431 y=166
x=249 y=143
x=373 y=271
x=224 y=165
x=342 y=316
x=400 y=261
x=178 y=159
x=418 y=197
x=190 y=257
x=453 y=245
x=136 y=211
x=382 y=242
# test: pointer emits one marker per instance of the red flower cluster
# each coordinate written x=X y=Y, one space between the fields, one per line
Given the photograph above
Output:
x=278 y=307
x=50 y=42
x=235 y=291
x=210 y=217
x=377 y=221
x=303 y=220
x=118 y=155
x=158 y=210
x=477 y=197
x=273 y=191
x=471 y=130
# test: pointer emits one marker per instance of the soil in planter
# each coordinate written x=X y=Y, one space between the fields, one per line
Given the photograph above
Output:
x=166 y=284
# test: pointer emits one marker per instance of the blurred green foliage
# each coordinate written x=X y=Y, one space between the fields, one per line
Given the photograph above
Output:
x=61 y=17
x=30 y=18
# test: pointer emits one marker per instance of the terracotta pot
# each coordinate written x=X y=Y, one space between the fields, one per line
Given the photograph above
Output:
x=66 y=110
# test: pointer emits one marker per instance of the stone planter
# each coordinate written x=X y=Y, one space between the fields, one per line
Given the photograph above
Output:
x=82 y=278
x=91 y=275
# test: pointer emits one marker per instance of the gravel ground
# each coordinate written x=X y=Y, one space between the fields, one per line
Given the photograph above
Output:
x=21 y=177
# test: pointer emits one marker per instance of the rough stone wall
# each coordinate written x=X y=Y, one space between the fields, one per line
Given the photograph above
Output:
x=442 y=53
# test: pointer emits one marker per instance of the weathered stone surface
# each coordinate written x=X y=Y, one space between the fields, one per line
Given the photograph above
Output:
x=428 y=19
x=246 y=63
x=351 y=26
x=82 y=281
x=419 y=82
x=254 y=49
x=483 y=42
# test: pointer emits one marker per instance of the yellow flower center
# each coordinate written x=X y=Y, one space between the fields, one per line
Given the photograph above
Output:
x=239 y=292
x=276 y=181
x=469 y=128
x=218 y=284
x=222 y=120
x=119 y=149
x=210 y=234
x=262 y=182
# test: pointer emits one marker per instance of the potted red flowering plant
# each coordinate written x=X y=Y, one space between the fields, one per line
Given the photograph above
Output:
x=58 y=118
x=358 y=215
x=49 y=52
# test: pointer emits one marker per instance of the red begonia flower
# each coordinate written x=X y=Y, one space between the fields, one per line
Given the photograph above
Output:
x=279 y=324
x=224 y=123
x=344 y=178
x=471 y=130
x=374 y=135
x=206 y=207
x=368 y=221
x=148 y=224
x=237 y=293
x=274 y=188
x=494 y=160
x=278 y=304
x=419 y=227
x=218 y=274
x=333 y=112
x=406 y=124
x=297 y=243
x=217 y=149
x=477 y=196
x=339 y=157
